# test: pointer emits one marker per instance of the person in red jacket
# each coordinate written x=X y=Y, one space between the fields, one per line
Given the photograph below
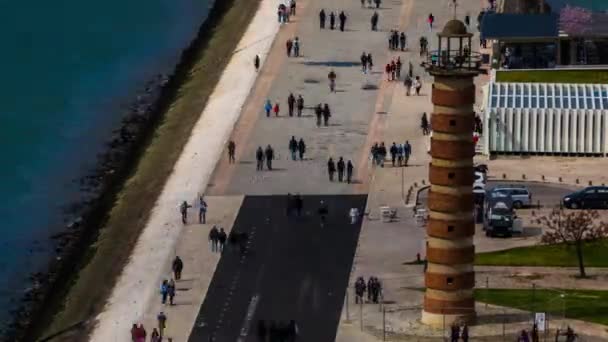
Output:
x=275 y=109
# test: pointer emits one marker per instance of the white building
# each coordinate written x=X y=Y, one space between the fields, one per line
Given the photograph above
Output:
x=546 y=118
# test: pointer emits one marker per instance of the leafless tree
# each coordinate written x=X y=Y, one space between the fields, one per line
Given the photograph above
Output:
x=573 y=228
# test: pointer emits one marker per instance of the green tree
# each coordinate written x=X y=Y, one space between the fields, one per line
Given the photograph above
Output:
x=573 y=228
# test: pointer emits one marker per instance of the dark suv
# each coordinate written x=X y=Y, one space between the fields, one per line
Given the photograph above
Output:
x=593 y=197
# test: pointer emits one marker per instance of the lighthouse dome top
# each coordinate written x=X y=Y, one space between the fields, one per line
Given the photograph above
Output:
x=454 y=28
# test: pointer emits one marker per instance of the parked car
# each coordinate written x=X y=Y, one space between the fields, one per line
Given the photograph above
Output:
x=520 y=194
x=593 y=197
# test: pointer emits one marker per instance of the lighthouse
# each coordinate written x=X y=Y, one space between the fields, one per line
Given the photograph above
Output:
x=450 y=277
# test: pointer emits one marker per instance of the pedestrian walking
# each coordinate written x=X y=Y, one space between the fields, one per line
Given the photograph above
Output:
x=364 y=62
x=331 y=169
x=387 y=68
x=417 y=85
x=400 y=154
x=269 y=154
x=370 y=62
x=332 y=80
x=423 y=46
x=382 y=154
x=296 y=47
x=256 y=63
x=398 y=66
x=162 y=323
x=341 y=166
x=268 y=107
x=402 y=41
x=292 y=7
x=342 y=18
x=155 y=337
x=300 y=104
x=454 y=333
x=202 y=210
x=326 y=114
x=323 y=212
x=213 y=238
x=177 y=267
x=407 y=82
x=301 y=148
x=393 y=70
x=171 y=291
x=467 y=20
x=407 y=151
x=221 y=238
x=164 y=291
x=298 y=203
x=370 y=286
x=291 y=102
x=464 y=334
x=183 y=209
x=394 y=152
x=319 y=114
x=276 y=109
x=377 y=2
x=424 y=124
x=359 y=290
x=259 y=156
x=431 y=20
x=374 y=21
x=322 y=19
x=293 y=147
x=231 y=151
x=289 y=46
x=332 y=20
x=410 y=69
x=349 y=172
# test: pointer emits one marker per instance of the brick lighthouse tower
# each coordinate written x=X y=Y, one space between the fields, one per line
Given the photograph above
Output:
x=450 y=277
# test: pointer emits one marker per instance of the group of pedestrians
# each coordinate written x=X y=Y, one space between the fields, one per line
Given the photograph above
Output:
x=458 y=332
x=367 y=62
x=202 y=211
x=369 y=3
x=167 y=289
x=293 y=47
x=340 y=167
x=277 y=331
x=262 y=155
x=295 y=103
x=400 y=153
x=217 y=239
x=373 y=289
x=139 y=334
x=397 y=41
x=393 y=70
x=332 y=19
x=297 y=148
x=322 y=112
x=285 y=12
x=412 y=82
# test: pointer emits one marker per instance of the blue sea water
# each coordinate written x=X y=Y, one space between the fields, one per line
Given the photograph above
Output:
x=67 y=70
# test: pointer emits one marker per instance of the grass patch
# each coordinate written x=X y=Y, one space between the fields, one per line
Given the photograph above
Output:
x=554 y=76
x=595 y=254
x=93 y=282
x=586 y=305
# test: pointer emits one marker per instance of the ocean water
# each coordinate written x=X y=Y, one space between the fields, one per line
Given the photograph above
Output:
x=67 y=70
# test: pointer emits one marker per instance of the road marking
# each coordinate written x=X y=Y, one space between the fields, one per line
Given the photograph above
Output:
x=253 y=304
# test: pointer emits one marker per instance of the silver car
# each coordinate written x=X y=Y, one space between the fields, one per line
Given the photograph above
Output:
x=520 y=195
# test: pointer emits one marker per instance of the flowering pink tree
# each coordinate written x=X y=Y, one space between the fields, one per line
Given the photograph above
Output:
x=575 y=21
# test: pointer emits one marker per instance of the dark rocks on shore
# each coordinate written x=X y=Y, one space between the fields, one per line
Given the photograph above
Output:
x=110 y=166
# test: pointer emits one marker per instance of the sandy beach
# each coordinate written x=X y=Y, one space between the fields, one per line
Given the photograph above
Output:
x=150 y=261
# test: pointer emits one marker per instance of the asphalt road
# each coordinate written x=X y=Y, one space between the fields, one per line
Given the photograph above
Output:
x=549 y=195
x=292 y=269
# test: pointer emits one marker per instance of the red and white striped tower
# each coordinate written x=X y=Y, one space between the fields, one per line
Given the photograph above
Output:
x=450 y=277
